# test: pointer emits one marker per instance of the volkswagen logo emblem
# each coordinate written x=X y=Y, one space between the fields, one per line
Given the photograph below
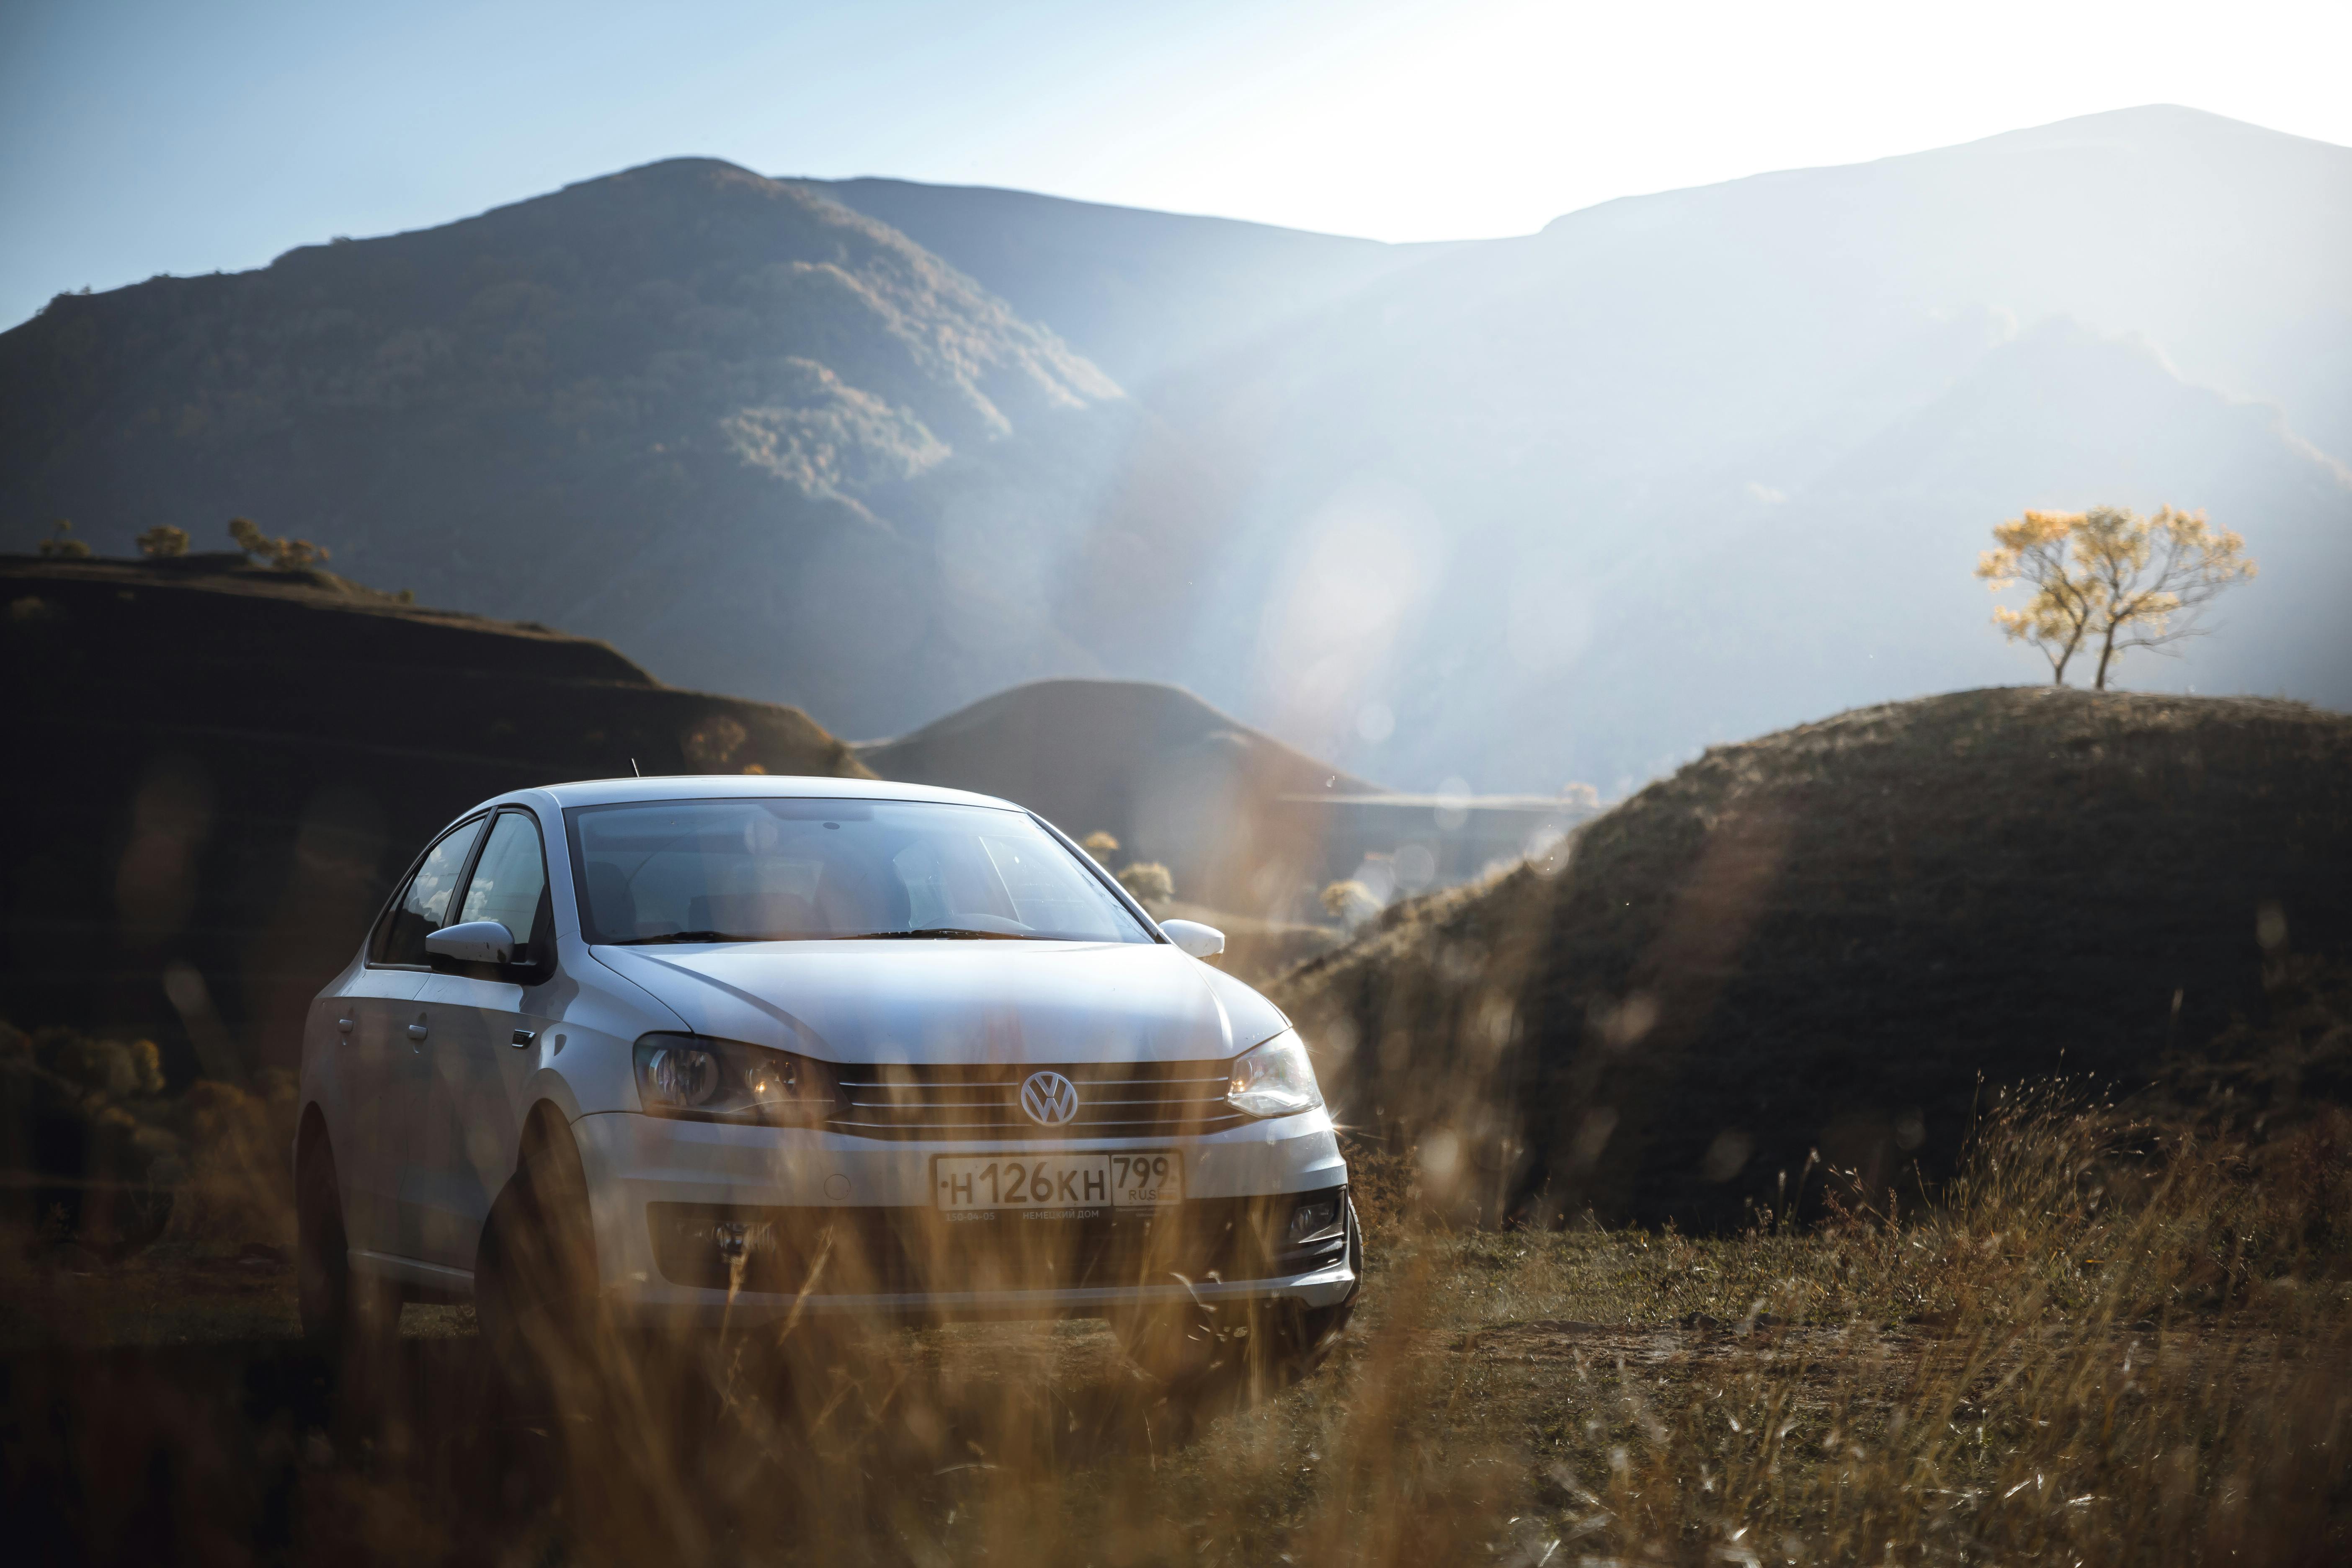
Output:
x=1049 y=1099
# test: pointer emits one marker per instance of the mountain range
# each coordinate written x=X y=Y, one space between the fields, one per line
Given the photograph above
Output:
x=1677 y=470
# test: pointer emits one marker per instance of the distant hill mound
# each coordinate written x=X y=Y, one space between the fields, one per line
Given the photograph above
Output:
x=1172 y=778
x=217 y=769
x=1840 y=937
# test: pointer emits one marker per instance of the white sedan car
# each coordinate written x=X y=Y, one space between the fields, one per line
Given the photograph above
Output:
x=727 y=1048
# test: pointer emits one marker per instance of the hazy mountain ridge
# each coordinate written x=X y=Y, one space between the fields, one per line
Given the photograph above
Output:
x=1525 y=432
x=582 y=408
x=1145 y=293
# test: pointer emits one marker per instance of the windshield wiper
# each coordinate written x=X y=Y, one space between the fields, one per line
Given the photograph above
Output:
x=689 y=936
x=953 y=934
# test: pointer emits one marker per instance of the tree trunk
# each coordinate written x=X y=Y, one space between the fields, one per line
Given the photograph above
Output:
x=2106 y=655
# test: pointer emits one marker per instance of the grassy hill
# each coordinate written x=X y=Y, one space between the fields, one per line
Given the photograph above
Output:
x=1841 y=938
x=219 y=769
x=1171 y=777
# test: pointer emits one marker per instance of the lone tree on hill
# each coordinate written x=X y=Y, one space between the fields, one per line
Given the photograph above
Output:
x=2110 y=578
x=163 y=540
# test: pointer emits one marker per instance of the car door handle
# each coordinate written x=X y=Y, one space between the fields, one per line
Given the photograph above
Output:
x=417 y=1030
x=523 y=1036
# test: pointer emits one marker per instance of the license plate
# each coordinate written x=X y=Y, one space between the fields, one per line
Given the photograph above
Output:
x=1077 y=1185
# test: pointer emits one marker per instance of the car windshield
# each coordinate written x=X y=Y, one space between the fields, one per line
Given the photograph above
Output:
x=787 y=869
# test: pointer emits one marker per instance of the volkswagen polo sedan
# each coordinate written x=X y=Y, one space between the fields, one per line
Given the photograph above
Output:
x=695 y=1051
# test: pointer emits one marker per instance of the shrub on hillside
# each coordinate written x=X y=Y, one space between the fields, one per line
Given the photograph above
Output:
x=239 y=1145
x=281 y=553
x=60 y=546
x=1149 y=882
x=96 y=1114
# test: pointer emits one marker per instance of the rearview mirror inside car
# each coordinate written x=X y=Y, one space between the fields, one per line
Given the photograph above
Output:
x=477 y=942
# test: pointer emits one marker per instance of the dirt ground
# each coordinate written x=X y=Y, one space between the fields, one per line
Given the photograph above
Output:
x=164 y=1407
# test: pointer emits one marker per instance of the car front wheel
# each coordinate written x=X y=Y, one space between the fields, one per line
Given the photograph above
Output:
x=535 y=1276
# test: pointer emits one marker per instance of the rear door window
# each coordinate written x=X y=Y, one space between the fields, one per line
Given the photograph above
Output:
x=423 y=906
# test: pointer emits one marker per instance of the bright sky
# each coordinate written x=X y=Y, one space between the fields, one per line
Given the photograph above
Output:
x=146 y=137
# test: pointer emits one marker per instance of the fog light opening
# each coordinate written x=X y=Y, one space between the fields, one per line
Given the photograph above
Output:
x=1318 y=1219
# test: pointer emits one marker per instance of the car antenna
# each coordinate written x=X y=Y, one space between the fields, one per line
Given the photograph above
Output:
x=634 y=769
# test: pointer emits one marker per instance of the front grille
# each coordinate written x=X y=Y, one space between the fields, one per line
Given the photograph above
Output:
x=1116 y=1100
x=910 y=1251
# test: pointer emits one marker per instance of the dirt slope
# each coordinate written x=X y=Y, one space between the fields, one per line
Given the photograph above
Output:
x=1822 y=938
x=216 y=770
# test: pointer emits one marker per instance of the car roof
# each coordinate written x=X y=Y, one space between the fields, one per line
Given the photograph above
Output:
x=724 y=786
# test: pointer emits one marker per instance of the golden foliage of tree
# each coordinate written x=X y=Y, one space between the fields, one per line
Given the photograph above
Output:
x=1350 y=901
x=1101 y=844
x=163 y=540
x=2111 y=579
x=284 y=554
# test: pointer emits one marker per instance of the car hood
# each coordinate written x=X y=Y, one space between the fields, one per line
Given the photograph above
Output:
x=956 y=1001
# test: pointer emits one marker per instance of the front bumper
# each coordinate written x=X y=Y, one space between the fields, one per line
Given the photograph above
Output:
x=803 y=1178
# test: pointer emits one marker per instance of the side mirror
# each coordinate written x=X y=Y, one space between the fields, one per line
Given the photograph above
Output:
x=1200 y=941
x=475 y=942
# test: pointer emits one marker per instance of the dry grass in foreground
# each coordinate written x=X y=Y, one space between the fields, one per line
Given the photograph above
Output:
x=2105 y=1344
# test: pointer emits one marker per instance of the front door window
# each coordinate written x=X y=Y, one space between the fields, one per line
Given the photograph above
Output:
x=423 y=906
x=510 y=883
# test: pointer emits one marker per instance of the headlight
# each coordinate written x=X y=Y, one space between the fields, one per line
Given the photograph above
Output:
x=722 y=1080
x=1274 y=1079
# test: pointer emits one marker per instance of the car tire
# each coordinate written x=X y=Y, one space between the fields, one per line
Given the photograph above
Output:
x=535 y=1281
x=349 y=1315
